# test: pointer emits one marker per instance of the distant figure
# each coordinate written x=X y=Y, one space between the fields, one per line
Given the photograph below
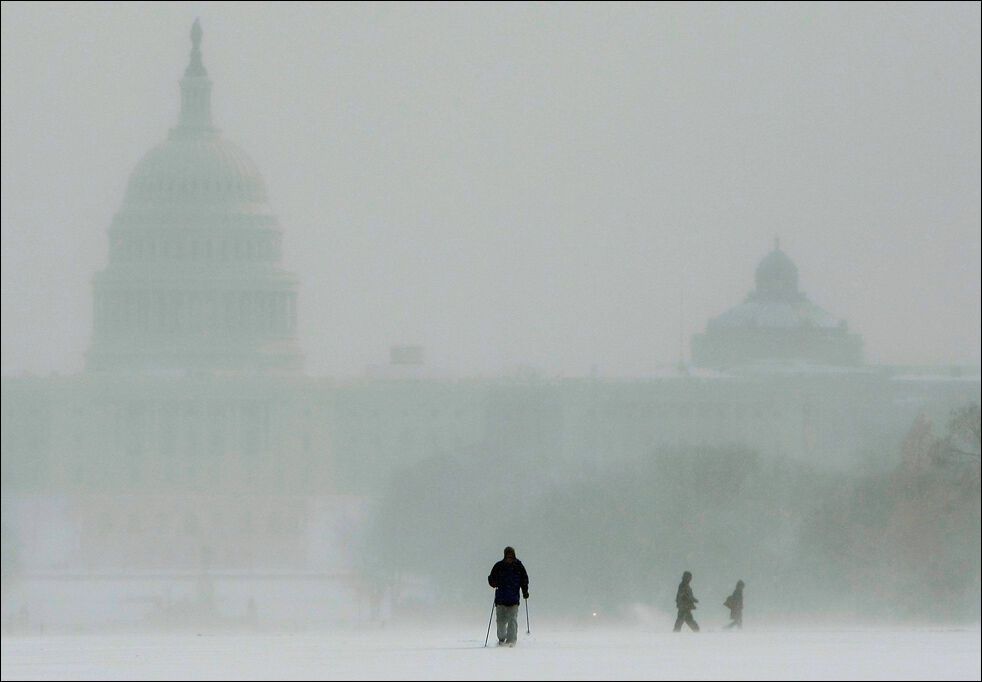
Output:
x=252 y=613
x=686 y=603
x=735 y=604
x=507 y=577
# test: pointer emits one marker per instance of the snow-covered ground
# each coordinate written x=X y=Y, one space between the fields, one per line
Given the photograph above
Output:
x=929 y=653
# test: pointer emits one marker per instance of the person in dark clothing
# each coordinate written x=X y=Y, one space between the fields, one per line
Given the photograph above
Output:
x=508 y=576
x=686 y=602
x=735 y=604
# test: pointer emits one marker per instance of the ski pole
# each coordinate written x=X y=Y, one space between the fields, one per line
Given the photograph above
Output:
x=528 y=628
x=489 y=624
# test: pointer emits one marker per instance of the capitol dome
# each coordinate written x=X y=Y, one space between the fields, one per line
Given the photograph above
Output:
x=200 y=168
x=194 y=281
x=195 y=166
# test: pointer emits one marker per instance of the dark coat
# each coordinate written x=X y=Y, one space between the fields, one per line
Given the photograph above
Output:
x=684 y=599
x=735 y=602
x=507 y=579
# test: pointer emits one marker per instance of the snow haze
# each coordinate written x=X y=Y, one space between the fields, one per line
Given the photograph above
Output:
x=521 y=184
x=310 y=310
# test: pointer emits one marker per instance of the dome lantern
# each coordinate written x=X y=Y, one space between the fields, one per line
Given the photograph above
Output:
x=777 y=275
x=195 y=89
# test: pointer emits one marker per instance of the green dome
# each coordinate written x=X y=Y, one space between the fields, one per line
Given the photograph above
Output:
x=187 y=170
x=777 y=275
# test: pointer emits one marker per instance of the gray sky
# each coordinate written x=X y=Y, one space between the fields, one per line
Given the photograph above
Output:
x=520 y=184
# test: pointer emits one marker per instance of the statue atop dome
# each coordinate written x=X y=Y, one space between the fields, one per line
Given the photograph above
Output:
x=196 y=68
x=196 y=34
x=195 y=90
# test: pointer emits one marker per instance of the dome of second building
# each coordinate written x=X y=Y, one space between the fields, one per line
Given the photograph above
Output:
x=777 y=274
x=776 y=322
x=195 y=169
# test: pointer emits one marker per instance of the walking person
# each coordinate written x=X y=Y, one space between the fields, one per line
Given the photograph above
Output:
x=735 y=604
x=686 y=602
x=508 y=576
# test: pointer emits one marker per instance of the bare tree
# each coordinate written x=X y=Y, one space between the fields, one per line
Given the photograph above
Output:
x=962 y=439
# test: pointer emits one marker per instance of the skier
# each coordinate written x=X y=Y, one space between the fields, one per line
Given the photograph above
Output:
x=686 y=602
x=507 y=577
x=735 y=604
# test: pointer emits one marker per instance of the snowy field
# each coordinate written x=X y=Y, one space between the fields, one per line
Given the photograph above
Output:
x=927 y=653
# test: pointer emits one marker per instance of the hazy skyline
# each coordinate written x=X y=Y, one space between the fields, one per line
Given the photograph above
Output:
x=520 y=184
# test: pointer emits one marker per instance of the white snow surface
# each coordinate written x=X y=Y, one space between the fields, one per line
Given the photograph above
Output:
x=926 y=653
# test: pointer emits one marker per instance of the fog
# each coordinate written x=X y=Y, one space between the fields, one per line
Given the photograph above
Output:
x=521 y=185
x=308 y=311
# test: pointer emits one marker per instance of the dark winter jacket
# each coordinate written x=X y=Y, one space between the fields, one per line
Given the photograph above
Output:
x=735 y=602
x=684 y=599
x=508 y=579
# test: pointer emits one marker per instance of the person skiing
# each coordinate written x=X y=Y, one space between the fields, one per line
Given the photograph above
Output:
x=735 y=604
x=686 y=602
x=508 y=576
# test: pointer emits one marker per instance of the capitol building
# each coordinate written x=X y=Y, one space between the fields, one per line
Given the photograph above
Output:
x=195 y=463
